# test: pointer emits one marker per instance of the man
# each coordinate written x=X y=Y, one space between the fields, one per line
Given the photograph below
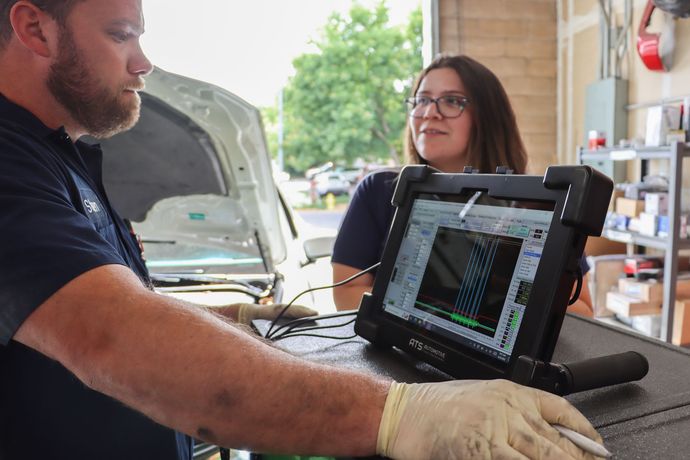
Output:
x=86 y=348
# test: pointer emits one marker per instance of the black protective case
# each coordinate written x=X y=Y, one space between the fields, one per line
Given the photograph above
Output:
x=580 y=196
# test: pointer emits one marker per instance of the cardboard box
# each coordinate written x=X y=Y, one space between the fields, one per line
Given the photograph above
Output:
x=617 y=193
x=681 y=323
x=649 y=325
x=682 y=288
x=652 y=290
x=624 y=305
x=628 y=207
x=675 y=135
x=597 y=246
x=649 y=224
x=647 y=291
x=656 y=203
x=603 y=275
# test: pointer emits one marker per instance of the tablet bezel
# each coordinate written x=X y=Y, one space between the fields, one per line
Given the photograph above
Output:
x=547 y=304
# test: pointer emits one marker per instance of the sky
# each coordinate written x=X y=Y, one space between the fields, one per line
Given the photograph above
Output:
x=244 y=46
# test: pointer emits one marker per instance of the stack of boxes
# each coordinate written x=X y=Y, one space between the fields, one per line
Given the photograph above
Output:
x=646 y=214
x=637 y=301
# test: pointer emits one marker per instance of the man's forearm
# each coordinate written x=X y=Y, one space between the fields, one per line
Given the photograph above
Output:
x=190 y=370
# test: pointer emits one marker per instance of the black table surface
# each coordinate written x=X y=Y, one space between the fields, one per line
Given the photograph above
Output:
x=639 y=420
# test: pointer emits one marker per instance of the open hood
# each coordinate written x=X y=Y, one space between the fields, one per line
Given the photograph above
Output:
x=194 y=177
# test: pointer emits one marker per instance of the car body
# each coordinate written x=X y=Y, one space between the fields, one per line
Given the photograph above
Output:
x=353 y=176
x=194 y=177
x=331 y=182
x=311 y=172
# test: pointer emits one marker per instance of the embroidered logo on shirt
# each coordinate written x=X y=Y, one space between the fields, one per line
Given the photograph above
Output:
x=91 y=206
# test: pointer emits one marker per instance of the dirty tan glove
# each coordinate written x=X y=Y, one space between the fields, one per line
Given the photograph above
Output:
x=248 y=312
x=477 y=420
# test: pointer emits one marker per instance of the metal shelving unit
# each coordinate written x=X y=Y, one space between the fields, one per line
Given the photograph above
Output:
x=675 y=154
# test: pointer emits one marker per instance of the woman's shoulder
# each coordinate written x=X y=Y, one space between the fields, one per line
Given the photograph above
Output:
x=381 y=178
x=374 y=191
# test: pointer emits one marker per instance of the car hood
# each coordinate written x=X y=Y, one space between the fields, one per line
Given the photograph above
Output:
x=194 y=177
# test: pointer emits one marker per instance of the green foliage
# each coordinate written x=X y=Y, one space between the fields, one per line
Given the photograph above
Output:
x=269 y=116
x=346 y=101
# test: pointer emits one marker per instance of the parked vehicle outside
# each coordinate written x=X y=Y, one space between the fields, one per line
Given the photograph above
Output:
x=331 y=182
x=353 y=176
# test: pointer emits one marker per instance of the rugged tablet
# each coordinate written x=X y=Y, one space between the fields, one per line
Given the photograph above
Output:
x=478 y=269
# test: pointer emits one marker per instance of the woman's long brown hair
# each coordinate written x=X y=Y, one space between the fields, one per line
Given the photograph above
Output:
x=495 y=139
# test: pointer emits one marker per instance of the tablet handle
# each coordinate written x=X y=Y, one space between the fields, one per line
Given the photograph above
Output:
x=606 y=370
x=563 y=379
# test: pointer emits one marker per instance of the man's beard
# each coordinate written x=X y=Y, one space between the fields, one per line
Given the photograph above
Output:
x=95 y=107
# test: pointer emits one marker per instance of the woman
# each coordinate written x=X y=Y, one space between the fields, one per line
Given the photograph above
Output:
x=460 y=116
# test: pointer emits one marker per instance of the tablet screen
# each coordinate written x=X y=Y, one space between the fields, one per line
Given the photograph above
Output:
x=464 y=270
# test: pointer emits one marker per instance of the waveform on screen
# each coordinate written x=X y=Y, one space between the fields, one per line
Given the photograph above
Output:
x=477 y=274
x=467 y=278
x=457 y=317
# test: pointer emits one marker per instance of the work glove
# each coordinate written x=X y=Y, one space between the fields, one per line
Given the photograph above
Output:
x=494 y=419
x=248 y=312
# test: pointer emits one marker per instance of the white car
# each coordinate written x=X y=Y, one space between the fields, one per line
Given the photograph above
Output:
x=331 y=182
x=194 y=178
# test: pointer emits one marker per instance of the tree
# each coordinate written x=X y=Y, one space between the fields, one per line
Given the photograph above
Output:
x=346 y=101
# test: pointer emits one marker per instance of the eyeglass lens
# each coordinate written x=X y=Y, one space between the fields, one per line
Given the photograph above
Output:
x=447 y=106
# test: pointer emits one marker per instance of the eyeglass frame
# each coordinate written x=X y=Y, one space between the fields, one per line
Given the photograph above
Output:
x=410 y=101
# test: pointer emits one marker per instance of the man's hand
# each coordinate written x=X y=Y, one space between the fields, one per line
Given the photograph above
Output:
x=248 y=312
x=477 y=420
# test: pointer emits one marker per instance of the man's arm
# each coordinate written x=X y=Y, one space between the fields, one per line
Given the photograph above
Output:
x=189 y=370
x=583 y=305
x=348 y=296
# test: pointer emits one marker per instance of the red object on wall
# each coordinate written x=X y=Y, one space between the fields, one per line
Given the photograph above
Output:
x=648 y=43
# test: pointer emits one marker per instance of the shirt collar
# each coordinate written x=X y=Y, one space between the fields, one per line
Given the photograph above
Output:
x=19 y=115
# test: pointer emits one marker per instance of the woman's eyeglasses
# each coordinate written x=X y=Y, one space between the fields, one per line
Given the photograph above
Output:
x=447 y=106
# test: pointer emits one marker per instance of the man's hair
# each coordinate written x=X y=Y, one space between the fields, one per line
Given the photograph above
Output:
x=57 y=9
x=495 y=139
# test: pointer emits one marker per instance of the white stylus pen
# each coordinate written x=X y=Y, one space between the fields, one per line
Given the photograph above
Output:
x=583 y=442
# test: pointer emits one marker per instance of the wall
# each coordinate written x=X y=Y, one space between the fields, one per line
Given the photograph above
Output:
x=546 y=53
x=578 y=31
x=516 y=39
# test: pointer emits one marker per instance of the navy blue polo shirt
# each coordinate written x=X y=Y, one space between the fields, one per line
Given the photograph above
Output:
x=364 y=229
x=56 y=224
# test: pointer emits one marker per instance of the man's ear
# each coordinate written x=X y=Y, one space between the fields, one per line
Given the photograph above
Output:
x=33 y=27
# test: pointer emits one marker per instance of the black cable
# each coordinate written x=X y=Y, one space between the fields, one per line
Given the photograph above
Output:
x=578 y=287
x=299 y=321
x=345 y=281
x=318 y=335
x=294 y=330
x=296 y=326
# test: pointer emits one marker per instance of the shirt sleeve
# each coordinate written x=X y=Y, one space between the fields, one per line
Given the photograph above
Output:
x=45 y=241
x=364 y=229
x=584 y=266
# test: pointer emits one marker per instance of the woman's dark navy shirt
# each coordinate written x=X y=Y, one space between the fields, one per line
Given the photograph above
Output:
x=363 y=232
x=56 y=224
